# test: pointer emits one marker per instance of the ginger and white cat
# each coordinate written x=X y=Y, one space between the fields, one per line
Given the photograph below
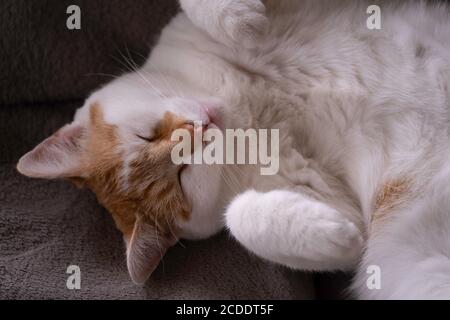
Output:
x=364 y=118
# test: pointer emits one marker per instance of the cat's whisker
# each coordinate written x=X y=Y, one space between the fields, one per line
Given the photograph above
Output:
x=103 y=75
x=148 y=76
x=157 y=238
x=170 y=228
x=223 y=177
x=234 y=188
x=142 y=72
x=160 y=250
x=123 y=62
x=163 y=83
x=232 y=183
x=233 y=176
x=151 y=85
x=112 y=76
x=167 y=84
x=131 y=66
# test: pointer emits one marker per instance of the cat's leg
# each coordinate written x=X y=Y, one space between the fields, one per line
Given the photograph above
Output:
x=408 y=250
x=233 y=22
x=295 y=230
x=401 y=271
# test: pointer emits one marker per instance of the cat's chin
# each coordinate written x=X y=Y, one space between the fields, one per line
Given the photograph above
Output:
x=202 y=189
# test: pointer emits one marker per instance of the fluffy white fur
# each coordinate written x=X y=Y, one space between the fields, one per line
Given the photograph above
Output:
x=355 y=108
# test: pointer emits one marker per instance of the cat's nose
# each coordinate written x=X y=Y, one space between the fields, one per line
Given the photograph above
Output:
x=188 y=125
x=196 y=126
x=201 y=128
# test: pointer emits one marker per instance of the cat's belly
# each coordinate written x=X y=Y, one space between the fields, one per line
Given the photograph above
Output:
x=357 y=139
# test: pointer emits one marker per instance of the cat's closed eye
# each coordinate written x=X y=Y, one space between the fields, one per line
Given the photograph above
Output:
x=146 y=139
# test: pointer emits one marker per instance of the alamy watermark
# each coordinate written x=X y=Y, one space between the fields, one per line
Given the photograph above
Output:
x=234 y=146
x=74 y=280
x=373 y=281
x=73 y=22
x=374 y=20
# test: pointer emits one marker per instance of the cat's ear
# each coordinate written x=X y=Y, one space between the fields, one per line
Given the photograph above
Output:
x=145 y=249
x=58 y=156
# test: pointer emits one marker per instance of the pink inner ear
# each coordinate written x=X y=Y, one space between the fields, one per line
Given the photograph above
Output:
x=58 y=156
x=70 y=134
x=145 y=250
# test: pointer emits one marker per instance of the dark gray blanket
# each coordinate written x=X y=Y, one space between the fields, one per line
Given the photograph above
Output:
x=45 y=73
x=41 y=60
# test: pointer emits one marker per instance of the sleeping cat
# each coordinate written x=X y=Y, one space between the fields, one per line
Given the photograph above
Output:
x=363 y=116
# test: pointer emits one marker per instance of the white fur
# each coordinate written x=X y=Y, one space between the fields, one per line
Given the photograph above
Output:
x=355 y=107
x=279 y=226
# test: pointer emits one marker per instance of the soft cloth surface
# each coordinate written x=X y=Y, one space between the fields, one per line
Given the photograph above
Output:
x=45 y=226
x=42 y=60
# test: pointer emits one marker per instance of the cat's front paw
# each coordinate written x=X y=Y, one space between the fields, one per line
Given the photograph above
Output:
x=244 y=22
x=295 y=230
x=232 y=22
x=338 y=239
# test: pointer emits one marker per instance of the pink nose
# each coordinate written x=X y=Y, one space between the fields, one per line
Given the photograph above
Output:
x=202 y=128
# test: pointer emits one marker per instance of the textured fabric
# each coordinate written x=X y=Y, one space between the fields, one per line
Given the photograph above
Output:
x=45 y=226
x=42 y=60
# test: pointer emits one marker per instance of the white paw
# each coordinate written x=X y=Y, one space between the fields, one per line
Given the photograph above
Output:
x=244 y=22
x=239 y=213
x=337 y=240
x=290 y=228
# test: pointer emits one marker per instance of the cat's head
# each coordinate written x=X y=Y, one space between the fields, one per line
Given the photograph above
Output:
x=119 y=145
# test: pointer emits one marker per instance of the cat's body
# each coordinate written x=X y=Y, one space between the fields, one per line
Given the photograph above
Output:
x=364 y=118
